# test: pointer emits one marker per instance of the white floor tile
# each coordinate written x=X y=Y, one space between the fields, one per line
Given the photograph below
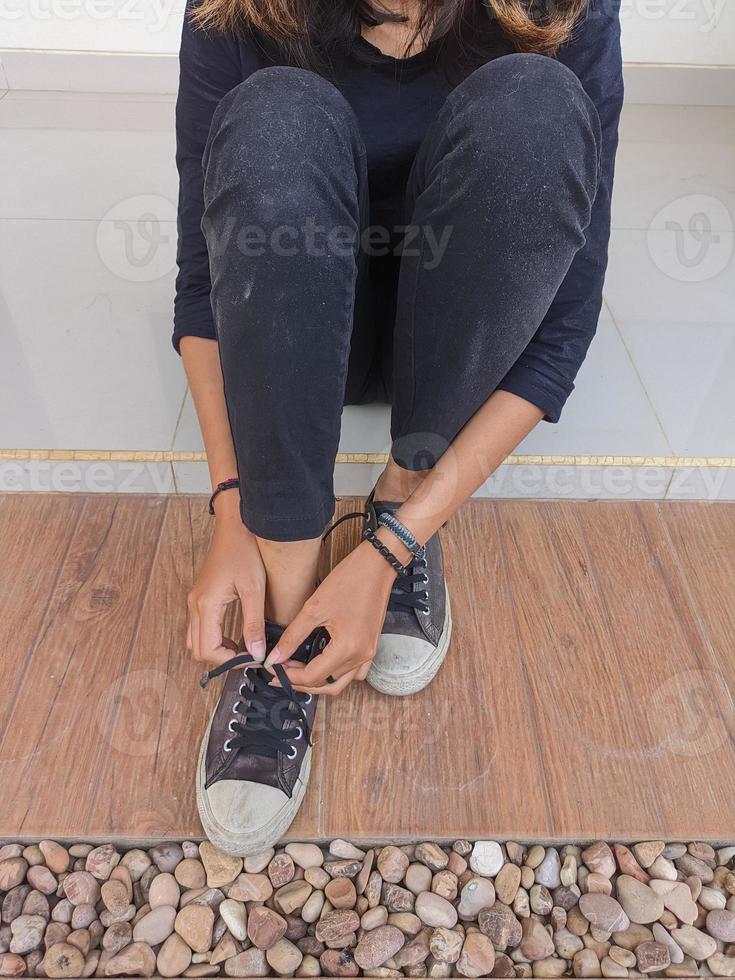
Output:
x=688 y=371
x=669 y=153
x=608 y=413
x=87 y=358
x=77 y=158
x=666 y=276
x=192 y=478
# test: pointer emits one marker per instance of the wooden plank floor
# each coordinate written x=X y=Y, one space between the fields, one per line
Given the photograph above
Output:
x=588 y=691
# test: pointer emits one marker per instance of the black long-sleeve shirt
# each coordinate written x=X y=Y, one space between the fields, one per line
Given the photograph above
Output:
x=395 y=102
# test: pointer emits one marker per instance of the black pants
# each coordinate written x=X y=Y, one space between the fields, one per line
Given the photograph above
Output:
x=310 y=318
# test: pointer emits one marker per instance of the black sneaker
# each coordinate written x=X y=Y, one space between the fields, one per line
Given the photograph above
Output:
x=418 y=623
x=255 y=758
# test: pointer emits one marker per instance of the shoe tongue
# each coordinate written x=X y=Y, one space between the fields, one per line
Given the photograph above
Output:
x=273 y=633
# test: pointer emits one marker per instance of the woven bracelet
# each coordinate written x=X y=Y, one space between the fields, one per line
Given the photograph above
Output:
x=369 y=535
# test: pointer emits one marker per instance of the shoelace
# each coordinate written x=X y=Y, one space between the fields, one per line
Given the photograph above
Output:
x=403 y=598
x=260 y=726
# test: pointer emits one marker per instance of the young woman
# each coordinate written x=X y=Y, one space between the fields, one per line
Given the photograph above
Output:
x=397 y=200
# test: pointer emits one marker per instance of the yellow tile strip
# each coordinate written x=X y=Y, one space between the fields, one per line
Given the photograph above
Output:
x=168 y=456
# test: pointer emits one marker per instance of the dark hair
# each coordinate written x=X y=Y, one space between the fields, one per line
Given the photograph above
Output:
x=312 y=32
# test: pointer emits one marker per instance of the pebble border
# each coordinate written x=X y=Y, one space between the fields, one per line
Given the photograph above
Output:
x=472 y=909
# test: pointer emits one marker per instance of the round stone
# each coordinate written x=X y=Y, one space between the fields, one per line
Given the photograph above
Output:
x=174 y=957
x=42 y=880
x=477 y=894
x=291 y=897
x=599 y=858
x=265 y=927
x=335 y=925
x=536 y=943
x=603 y=912
x=640 y=903
x=507 y=883
x=433 y=910
x=251 y=888
x=548 y=873
x=250 y=963
x=307 y=855
x=190 y=873
x=12 y=872
x=486 y=858
x=12 y=965
x=164 y=890
x=221 y=868
x=194 y=923
x=235 y=917
x=166 y=856
x=392 y=864
x=284 y=957
x=136 y=960
x=63 y=960
x=694 y=942
x=156 y=926
x=418 y=878
x=281 y=869
x=500 y=925
x=652 y=957
x=660 y=934
x=255 y=863
x=477 y=958
x=341 y=893
x=115 y=897
x=344 y=849
x=27 y=933
x=445 y=945
x=81 y=888
x=377 y=946
x=721 y=925
x=432 y=856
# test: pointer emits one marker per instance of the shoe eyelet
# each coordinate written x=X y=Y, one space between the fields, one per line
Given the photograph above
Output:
x=300 y=735
x=425 y=611
x=309 y=698
x=424 y=579
x=240 y=691
x=227 y=747
x=230 y=728
x=292 y=752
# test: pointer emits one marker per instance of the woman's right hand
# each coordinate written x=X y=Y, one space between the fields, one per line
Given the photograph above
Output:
x=233 y=569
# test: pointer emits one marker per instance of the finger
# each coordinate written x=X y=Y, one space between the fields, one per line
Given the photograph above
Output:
x=292 y=637
x=364 y=671
x=211 y=648
x=331 y=663
x=188 y=634
x=331 y=689
x=194 y=633
x=253 y=624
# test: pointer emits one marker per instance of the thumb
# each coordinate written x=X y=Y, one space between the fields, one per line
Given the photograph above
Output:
x=292 y=638
x=253 y=625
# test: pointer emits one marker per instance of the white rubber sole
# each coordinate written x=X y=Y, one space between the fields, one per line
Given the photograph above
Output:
x=415 y=680
x=244 y=844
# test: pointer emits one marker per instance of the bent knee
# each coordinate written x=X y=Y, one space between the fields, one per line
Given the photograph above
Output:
x=283 y=97
x=528 y=89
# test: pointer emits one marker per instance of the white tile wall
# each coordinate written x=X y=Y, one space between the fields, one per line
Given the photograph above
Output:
x=87 y=233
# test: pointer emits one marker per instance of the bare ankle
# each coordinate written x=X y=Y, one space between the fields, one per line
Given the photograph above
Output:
x=291 y=569
x=397 y=484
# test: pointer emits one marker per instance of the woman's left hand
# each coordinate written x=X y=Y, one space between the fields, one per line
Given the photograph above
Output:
x=351 y=603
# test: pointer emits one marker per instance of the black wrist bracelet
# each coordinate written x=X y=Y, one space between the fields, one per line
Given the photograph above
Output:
x=369 y=535
x=231 y=484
